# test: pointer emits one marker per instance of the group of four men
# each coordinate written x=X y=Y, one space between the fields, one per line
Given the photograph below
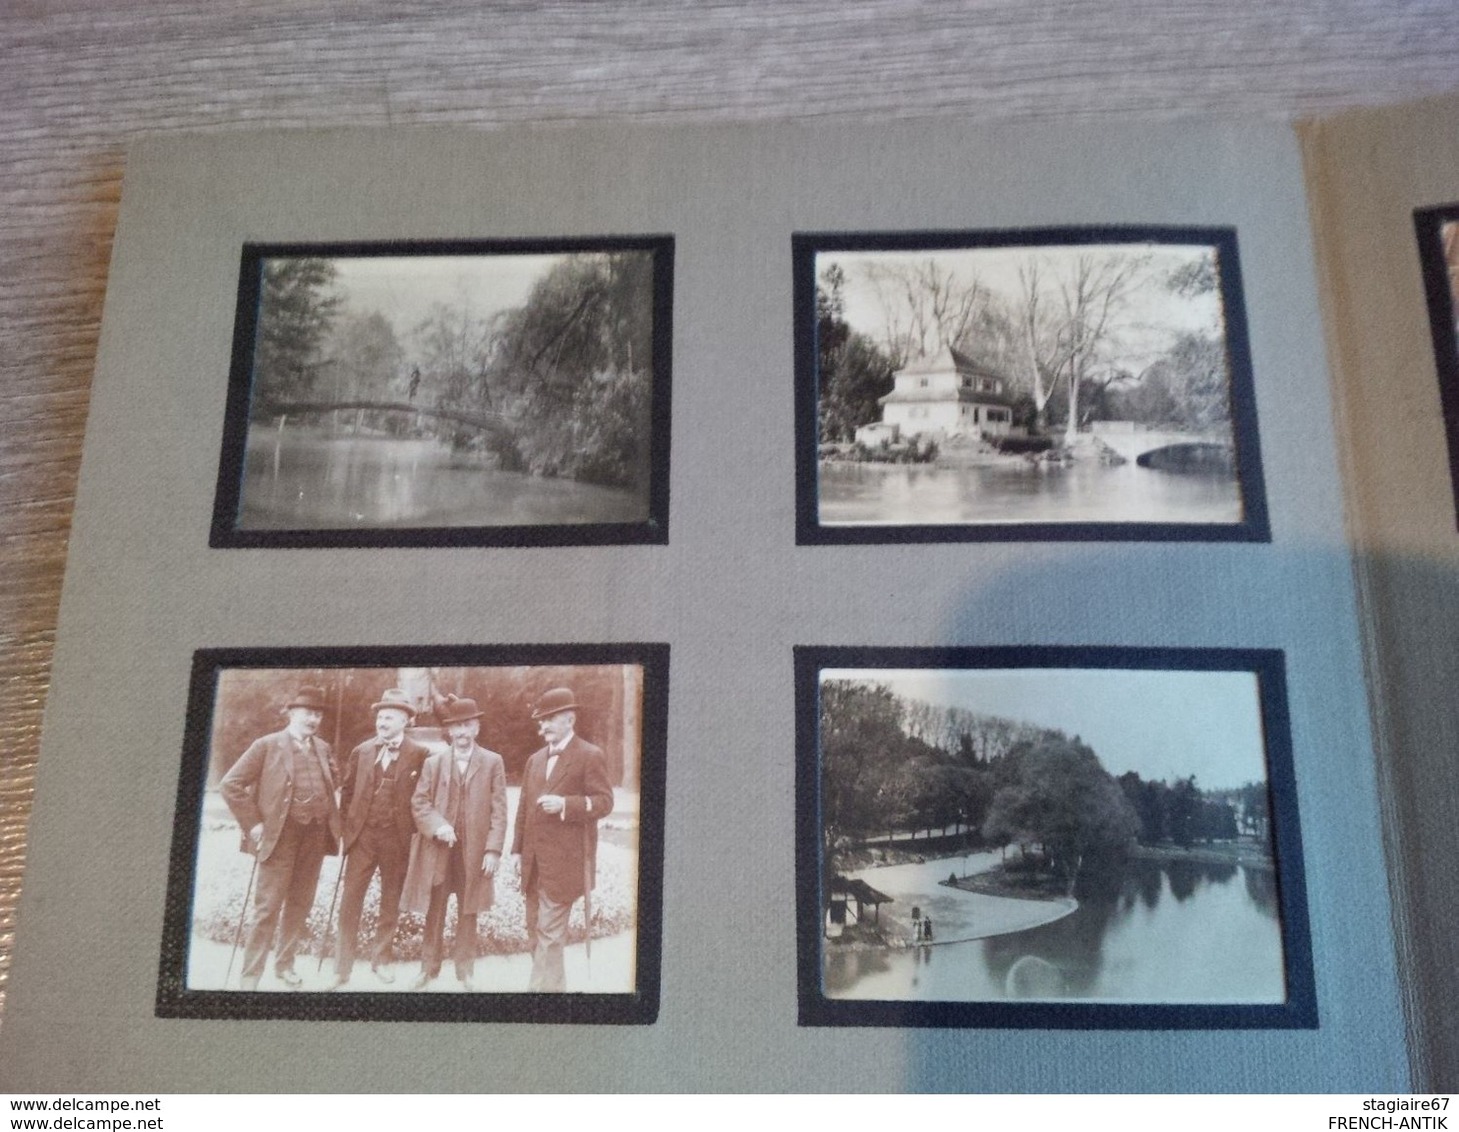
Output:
x=431 y=825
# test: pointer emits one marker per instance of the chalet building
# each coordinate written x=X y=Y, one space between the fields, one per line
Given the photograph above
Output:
x=943 y=394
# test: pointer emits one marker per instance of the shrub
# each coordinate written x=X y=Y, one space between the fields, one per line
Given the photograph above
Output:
x=1023 y=445
x=218 y=907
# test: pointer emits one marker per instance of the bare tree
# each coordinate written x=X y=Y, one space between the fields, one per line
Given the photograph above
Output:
x=1029 y=280
x=925 y=305
x=1069 y=336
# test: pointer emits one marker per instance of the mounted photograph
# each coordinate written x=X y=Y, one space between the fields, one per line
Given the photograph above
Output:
x=1438 y=249
x=419 y=834
x=1070 y=383
x=1048 y=837
x=466 y=393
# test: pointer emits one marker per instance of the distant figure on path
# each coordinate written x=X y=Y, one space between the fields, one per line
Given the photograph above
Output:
x=926 y=929
x=414 y=383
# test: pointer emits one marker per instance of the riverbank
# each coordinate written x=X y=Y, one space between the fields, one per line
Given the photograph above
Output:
x=1244 y=853
x=946 y=458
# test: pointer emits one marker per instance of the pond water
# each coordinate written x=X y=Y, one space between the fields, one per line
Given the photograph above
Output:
x=1022 y=492
x=315 y=481
x=1158 y=932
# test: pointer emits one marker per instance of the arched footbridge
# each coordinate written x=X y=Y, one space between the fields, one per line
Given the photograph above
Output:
x=488 y=422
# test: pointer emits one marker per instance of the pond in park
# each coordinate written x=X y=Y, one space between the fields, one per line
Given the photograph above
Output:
x=1156 y=932
x=310 y=480
x=1018 y=491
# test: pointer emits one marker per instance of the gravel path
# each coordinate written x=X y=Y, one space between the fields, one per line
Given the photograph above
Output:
x=957 y=916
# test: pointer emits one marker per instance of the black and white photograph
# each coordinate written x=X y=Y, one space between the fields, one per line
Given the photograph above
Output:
x=1076 y=383
x=432 y=838
x=1438 y=248
x=1090 y=837
x=502 y=393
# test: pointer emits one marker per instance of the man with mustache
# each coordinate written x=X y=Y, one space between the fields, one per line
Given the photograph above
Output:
x=460 y=808
x=377 y=782
x=565 y=794
x=282 y=793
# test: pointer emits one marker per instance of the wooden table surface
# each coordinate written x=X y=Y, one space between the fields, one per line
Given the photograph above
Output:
x=81 y=80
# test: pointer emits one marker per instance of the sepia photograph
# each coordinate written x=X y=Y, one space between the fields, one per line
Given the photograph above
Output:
x=448 y=835
x=503 y=393
x=1438 y=249
x=1091 y=837
x=1078 y=383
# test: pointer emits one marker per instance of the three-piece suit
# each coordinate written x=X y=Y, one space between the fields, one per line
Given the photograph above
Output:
x=287 y=785
x=375 y=801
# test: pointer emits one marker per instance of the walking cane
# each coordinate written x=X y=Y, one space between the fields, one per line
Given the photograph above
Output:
x=587 y=903
x=242 y=917
x=324 y=947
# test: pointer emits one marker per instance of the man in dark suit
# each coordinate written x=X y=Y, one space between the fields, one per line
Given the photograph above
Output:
x=565 y=794
x=282 y=793
x=377 y=782
x=460 y=808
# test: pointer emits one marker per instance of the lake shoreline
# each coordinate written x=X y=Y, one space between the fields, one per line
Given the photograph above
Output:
x=957 y=915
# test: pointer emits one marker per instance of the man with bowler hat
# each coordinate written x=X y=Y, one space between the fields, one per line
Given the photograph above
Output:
x=377 y=782
x=460 y=809
x=282 y=793
x=565 y=794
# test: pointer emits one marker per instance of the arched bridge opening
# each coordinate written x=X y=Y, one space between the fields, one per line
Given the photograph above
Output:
x=1190 y=456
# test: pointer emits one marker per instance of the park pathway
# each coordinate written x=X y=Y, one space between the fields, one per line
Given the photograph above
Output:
x=957 y=916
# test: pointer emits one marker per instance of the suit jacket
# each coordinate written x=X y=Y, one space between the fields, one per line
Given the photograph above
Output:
x=357 y=779
x=260 y=785
x=481 y=827
x=560 y=852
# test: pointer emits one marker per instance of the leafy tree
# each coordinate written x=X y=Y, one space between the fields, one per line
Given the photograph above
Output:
x=1187 y=387
x=249 y=703
x=1255 y=810
x=1181 y=812
x=1150 y=801
x=454 y=347
x=1196 y=277
x=853 y=373
x=1063 y=799
x=1201 y=381
x=860 y=734
x=573 y=366
x=612 y=414
x=1216 y=821
x=297 y=307
x=368 y=365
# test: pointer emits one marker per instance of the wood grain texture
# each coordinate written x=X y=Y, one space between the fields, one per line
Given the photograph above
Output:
x=79 y=83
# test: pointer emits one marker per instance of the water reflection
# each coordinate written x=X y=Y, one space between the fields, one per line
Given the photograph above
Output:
x=1261 y=887
x=1086 y=492
x=307 y=480
x=1150 y=931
